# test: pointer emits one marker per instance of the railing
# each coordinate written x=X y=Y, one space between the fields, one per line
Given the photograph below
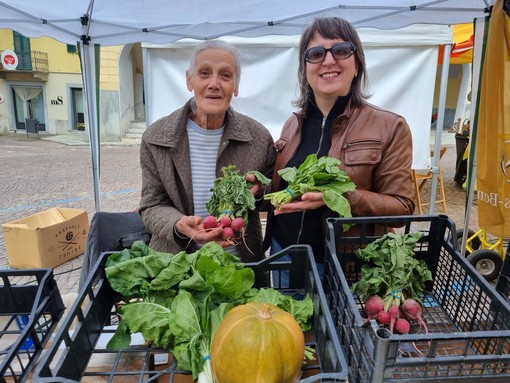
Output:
x=40 y=62
x=31 y=61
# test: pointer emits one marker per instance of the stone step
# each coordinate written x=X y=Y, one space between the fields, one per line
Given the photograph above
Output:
x=134 y=132
x=132 y=135
x=131 y=140
x=137 y=124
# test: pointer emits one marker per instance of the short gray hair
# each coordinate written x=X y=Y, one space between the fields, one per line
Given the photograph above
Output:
x=216 y=44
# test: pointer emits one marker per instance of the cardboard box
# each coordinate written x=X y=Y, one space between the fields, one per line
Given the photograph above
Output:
x=46 y=239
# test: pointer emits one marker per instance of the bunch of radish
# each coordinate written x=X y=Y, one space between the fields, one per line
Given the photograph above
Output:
x=393 y=281
x=230 y=203
x=232 y=228
x=397 y=317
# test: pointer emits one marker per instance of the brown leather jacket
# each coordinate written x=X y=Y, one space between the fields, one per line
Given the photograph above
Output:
x=375 y=150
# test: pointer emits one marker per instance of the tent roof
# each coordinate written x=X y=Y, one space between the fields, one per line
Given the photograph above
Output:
x=115 y=22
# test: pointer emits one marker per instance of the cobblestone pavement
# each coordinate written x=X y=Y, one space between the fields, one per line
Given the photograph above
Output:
x=38 y=174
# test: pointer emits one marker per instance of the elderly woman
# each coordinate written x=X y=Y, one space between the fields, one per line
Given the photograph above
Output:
x=182 y=154
x=334 y=119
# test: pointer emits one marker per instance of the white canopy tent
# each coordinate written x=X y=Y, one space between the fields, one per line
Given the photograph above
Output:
x=116 y=22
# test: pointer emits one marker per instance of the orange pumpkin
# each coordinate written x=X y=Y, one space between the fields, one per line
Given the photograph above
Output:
x=257 y=343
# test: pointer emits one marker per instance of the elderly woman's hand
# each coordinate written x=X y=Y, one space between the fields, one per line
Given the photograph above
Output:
x=192 y=227
x=308 y=201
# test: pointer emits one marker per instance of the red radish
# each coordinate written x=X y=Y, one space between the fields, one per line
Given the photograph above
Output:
x=210 y=222
x=383 y=317
x=373 y=305
x=402 y=326
x=237 y=224
x=228 y=232
x=225 y=221
x=393 y=311
x=412 y=310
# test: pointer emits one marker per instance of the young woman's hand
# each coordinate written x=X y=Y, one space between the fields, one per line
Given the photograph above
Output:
x=308 y=201
x=257 y=189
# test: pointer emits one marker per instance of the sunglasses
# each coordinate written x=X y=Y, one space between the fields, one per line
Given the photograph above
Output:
x=339 y=51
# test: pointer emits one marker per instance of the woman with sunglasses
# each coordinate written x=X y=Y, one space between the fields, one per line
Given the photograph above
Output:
x=334 y=119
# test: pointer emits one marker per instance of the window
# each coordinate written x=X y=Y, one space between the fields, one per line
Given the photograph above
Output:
x=22 y=49
x=28 y=104
x=72 y=48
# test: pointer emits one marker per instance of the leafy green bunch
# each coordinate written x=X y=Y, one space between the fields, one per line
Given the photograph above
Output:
x=231 y=194
x=177 y=301
x=316 y=175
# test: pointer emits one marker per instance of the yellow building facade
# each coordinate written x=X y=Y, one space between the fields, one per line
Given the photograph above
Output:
x=45 y=90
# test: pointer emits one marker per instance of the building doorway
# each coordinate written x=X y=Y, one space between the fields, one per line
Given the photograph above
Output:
x=77 y=112
x=29 y=104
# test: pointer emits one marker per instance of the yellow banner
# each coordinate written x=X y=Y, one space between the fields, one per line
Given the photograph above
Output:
x=493 y=139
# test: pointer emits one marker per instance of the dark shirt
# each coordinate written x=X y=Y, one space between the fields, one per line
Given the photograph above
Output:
x=308 y=227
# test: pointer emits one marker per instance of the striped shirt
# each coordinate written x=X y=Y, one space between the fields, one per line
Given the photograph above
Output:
x=203 y=148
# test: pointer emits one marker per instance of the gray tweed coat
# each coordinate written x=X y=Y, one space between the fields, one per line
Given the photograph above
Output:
x=167 y=192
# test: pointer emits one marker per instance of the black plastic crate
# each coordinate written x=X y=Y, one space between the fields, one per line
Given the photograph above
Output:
x=30 y=308
x=75 y=355
x=468 y=320
x=503 y=283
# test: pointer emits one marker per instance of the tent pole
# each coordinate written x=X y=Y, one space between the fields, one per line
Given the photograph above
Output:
x=465 y=86
x=89 y=82
x=481 y=26
x=439 y=126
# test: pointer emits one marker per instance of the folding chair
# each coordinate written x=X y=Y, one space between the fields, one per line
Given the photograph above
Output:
x=111 y=231
x=420 y=179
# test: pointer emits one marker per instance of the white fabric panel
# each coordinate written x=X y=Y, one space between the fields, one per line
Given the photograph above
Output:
x=401 y=78
x=27 y=93
x=403 y=81
x=268 y=83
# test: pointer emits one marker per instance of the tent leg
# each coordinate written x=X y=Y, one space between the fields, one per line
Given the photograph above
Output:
x=439 y=126
x=89 y=71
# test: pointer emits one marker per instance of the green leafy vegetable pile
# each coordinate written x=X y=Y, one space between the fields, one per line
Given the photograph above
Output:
x=393 y=273
x=316 y=175
x=178 y=300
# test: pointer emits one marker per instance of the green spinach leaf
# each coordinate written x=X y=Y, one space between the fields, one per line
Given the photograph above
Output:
x=316 y=175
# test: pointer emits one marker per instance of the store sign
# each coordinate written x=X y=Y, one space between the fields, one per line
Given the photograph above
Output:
x=58 y=101
x=9 y=59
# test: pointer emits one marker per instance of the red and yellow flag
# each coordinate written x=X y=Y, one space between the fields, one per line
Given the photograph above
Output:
x=462 y=47
x=493 y=137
